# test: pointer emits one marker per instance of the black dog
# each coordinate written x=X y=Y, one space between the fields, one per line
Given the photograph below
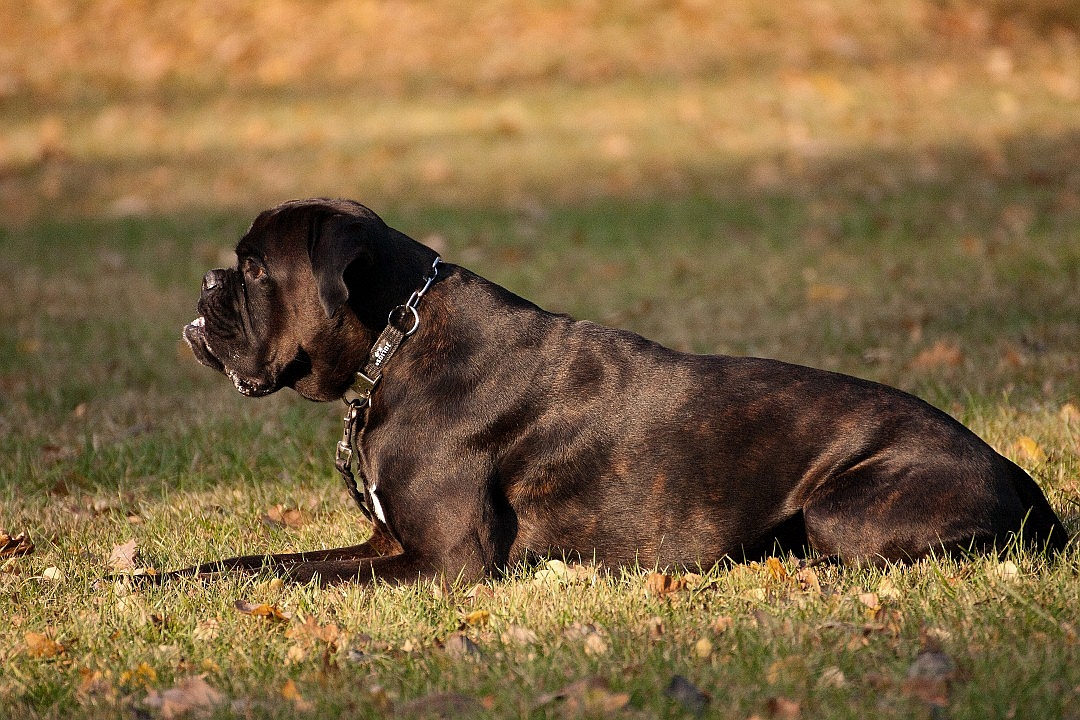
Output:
x=496 y=431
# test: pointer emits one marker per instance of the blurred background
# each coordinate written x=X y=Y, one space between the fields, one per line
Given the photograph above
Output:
x=137 y=107
x=890 y=189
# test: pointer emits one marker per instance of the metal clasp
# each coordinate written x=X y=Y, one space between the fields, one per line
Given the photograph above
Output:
x=363 y=386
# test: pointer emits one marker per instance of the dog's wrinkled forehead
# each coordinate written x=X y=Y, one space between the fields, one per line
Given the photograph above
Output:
x=326 y=236
x=292 y=225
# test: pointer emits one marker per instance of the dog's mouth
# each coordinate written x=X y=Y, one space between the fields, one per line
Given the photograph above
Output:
x=195 y=337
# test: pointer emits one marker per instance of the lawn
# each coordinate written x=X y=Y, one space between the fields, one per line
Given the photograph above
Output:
x=889 y=192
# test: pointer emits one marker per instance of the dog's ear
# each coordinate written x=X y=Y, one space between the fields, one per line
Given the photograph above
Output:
x=334 y=243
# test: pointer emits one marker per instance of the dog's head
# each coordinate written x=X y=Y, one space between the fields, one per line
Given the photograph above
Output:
x=282 y=316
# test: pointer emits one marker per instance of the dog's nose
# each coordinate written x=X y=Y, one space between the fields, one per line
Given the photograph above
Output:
x=213 y=279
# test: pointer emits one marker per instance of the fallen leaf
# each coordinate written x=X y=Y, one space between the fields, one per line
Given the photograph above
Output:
x=142 y=676
x=41 y=646
x=53 y=574
x=123 y=556
x=827 y=292
x=1006 y=570
x=755 y=594
x=780 y=669
x=292 y=695
x=282 y=517
x=558 y=571
x=807 y=578
x=588 y=696
x=12 y=546
x=777 y=571
x=783 y=709
x=595 y=645
x=206 y=630
x=870 y=600
x=833 y=677
x=477 y=618
x=311 y=630
x=262 y=610
x=480 y=591
x=703 y=648
x=93 y=684
x=1029 y=450
x=662 y=585
x=1013 y=358
x=687 y=695
x=943 y=354
x=190 y=695
x=887 y=589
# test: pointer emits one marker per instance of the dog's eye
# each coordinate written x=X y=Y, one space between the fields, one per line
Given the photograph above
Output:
x=253 y=269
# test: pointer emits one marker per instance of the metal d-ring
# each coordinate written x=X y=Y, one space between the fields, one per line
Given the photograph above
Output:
x=400 y=309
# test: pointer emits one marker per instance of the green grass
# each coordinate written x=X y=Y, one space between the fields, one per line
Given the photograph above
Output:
x=883 y=189
x=113 y=433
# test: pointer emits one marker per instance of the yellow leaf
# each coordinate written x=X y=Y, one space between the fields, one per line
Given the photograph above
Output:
x=263 y=610
x=292 y=694
x=478 y=618
x=887 y=589
x=1028 y=449
x=776 y=569
x=142 y=676
x=42 y=646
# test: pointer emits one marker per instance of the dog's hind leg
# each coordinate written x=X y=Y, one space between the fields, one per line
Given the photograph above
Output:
x=870 y=515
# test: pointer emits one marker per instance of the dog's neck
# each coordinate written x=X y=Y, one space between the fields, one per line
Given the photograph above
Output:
x=402 y=322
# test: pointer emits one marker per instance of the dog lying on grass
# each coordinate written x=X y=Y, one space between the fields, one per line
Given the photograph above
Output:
x=487 y=431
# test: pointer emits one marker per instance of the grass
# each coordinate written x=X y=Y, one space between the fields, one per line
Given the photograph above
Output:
x=886 y=191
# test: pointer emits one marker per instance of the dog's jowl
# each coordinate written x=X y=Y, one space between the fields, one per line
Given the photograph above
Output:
x=488 y=431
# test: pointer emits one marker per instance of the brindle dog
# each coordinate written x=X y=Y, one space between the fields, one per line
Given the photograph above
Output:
x=499 y=432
